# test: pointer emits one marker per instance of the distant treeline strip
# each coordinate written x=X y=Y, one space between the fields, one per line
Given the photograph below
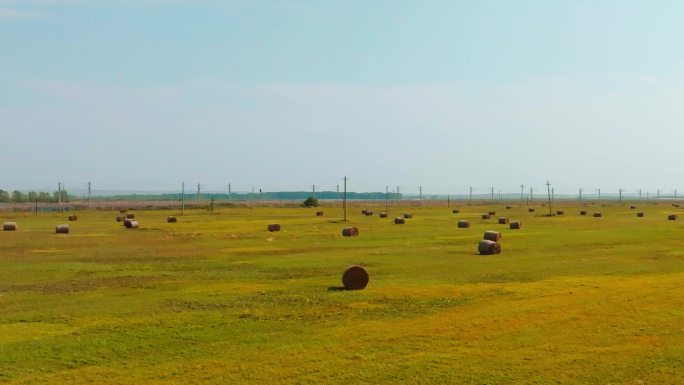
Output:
x=270 y=196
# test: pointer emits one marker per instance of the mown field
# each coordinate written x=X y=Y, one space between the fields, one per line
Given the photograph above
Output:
x=216 y=298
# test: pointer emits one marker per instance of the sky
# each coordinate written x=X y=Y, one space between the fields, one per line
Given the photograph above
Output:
x=283 y=95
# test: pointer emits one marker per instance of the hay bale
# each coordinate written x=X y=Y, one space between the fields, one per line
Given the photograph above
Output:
x=675 y=205
x=485 y=216
x=130 y=216
x=350 y=232
x=131 y=224
x=463 y=224
x=72 y=218
x=9 y=226
x=508 y=207
x=171 y=219
x=455 y=211
x=319 y=213
x=407 y=216
x=560 y=212
x=487 y=247
x=62 y=229
x=492 y=236
x=530 y=210
x=119 y=218
x=632 y=207
x=273 y=227
x=369 y=213
x=363 y=212
x=583 y=212
x=355 y=278
x=672 y=217
x=399 y=221
x=503 y=220
x=122 y=211
x=492 y=213
x=515 y=225
x=640 y=214
x=383 y=215
x=597 y=214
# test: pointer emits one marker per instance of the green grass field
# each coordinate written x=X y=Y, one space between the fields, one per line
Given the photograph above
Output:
x=216 y=298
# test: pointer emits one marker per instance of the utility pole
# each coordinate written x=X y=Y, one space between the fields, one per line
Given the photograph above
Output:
x=580 y=197
x=59 y=195
x=230 y=194
x=386 y=196
x=344 y=199
x=620 y=192
x=492 y=193
x=639 y=194
x=398 y=195
x=198 y=196
x=499 y=195
x=89 y=194
x=420 y=194
x=470 y=196
x=531 y=196
x=183 y=198
x=548 y=190
x=448 y=200
x=658 y=196
x=522 y=194
x=313 y=190
x=599 y=193
x=252 y=196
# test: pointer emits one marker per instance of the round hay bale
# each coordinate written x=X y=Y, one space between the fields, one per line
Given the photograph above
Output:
x=675 y=205
x=485 y=216
x=273 y=227
x=130 y=216
x=632 y=207
x=407 y=216
x=583 y=212
x=455 y=211
x=399 y=221
x=119 y=218
x=131 y=224
x=492 y=213
x=672 y=217
x=503 y=220
x=515 y=225
x=597 y=214
x=487 y=247
x=508 y=207
x=72 y=218
x=383 y=215
x=363 y=211
x=62 y=229
x=369 y=213
x=355 y=278
x=171 y=219
x=463 y=224
x=9 y=226
x=640 y=214
x=350 y=232
x=560 y=212
x=319 y=213
x=530 y=210
x=494 y=236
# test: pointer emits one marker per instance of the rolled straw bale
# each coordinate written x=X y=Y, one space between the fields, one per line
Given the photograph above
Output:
x=560 y=212
x=273 y=227
x=516 y=225
x=485 y=216
x=455 y=211
x=597 y=214
x=583 y=212
x=369 y=213
x=319 y=213
x=530 y=210
x=640 y=214
x=487 y=247
x=9 y=226
x=492 y=212
x=632 y=207
x=119 y=218
x=672 y=217
x=73 y=217
x=492 y=236
x=171 y=219
x=383 y=215
x=350 y=232
x=508 y=207
x=355 y=278
x=62 y=229
x=407 y=216
x=503 y=220
x=131 y=224
x=675 y=205
x=363 y=211
x=130 y=216
x=399 y=221
x=463 y=224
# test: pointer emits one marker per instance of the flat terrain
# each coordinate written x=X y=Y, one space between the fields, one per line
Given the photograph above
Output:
x=216 y=298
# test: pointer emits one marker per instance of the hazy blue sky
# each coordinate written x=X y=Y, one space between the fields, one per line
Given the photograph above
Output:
x=281 y=95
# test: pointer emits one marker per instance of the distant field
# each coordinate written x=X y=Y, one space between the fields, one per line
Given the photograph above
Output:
x=216 y=298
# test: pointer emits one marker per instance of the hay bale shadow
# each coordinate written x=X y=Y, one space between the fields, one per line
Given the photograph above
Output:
x=337 y=288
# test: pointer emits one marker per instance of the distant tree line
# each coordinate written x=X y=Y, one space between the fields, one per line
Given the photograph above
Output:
x=32 y=196
x=264 y=196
